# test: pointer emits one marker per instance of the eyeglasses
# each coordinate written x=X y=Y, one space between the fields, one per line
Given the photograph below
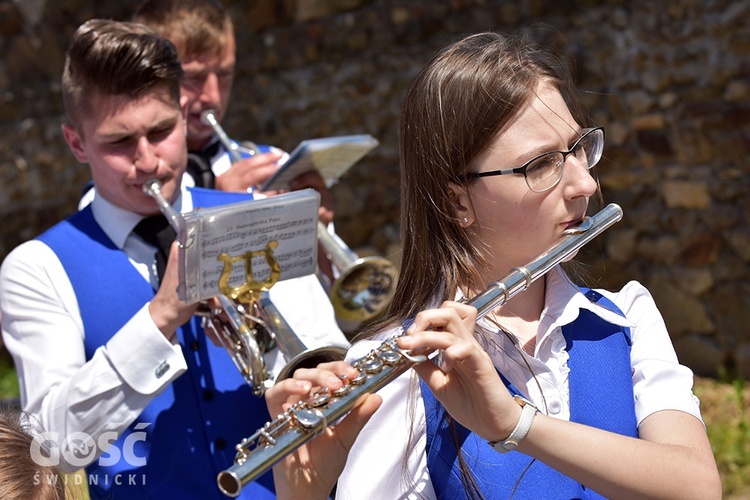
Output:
x=544 y=172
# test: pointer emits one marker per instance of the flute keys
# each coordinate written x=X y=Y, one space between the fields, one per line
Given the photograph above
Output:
x=372 y=366
x=341 y=391
x=390 y=358
x=359 y=379
x=308 y=419
x=320 y=398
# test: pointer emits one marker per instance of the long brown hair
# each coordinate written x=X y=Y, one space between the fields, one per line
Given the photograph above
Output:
x=469 y=92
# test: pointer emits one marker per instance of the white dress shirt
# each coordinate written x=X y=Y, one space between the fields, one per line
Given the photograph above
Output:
x=43 y=330
x=395 y=440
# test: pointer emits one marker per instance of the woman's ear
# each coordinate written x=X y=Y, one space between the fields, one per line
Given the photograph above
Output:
x=458 y=197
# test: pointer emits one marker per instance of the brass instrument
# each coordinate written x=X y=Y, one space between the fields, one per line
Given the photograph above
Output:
x=246 y=322
x=306 y=419
x=364 y=288
x=235 y=150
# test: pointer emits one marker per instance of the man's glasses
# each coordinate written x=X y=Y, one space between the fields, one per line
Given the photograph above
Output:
x=544 y=172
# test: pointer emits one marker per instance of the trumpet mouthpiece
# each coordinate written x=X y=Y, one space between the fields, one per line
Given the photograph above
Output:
x=151 y=185
x=209 y=117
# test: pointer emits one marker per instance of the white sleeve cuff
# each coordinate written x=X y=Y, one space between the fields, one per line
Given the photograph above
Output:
x=143 y=356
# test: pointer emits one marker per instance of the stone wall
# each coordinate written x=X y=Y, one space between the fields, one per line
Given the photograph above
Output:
x=670 y=81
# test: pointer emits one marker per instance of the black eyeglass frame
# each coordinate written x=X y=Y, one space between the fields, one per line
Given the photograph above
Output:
x=522 y=169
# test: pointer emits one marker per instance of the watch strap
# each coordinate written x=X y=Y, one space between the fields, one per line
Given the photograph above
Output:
x=528 y=412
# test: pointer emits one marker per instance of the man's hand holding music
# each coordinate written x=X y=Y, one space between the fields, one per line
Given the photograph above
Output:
x=249 y=173
x=167 y=310
x=313 y=180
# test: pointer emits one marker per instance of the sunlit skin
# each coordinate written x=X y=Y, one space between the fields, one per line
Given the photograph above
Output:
x=500 y=207
x=125 y=142
x=672 y=458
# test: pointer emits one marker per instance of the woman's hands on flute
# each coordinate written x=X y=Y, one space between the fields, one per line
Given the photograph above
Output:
x=313 y=469
x=466 y=382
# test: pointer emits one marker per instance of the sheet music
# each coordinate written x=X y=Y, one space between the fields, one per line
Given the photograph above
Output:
x=331 y=156
x=283 y=227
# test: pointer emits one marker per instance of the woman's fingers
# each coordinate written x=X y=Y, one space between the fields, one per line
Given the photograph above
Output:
x=330 y=375
x=457 y=317
x=280 y=396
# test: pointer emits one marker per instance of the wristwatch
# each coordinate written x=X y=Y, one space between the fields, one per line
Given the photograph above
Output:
x=528 y=412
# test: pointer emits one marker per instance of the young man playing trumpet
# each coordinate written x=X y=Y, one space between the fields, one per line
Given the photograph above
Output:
x=203 y=33
x=117 y=368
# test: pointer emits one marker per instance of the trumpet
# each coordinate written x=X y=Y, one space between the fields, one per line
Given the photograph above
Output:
x=249 y=330
x=235 y=150
x=306 y=419
x=364 y=288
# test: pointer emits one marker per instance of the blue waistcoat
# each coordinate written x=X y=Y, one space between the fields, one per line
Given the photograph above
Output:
x=601 y=395
x=191 y=427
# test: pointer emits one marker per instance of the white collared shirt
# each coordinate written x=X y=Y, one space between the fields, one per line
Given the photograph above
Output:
x=659 y=383
x=43 y=330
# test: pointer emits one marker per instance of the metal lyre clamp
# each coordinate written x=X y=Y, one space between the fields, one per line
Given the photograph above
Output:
x=254 y=326
x=250 y=289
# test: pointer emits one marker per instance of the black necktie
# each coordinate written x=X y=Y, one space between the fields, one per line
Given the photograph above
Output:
x=157 y=231
x=199 y=165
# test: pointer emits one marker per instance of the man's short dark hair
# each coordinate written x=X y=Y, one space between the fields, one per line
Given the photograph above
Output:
x=111 y=58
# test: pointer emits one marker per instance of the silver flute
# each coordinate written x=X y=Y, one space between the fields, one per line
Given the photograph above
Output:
x=306 y=419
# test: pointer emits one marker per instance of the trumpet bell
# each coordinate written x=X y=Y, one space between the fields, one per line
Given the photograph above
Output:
x=312 y=358
x=363 y=292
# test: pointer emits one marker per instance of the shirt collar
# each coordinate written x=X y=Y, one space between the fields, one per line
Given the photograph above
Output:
x=564 y=300
x=117 y=223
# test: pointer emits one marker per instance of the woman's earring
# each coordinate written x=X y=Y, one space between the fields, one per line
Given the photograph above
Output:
x=466 y=219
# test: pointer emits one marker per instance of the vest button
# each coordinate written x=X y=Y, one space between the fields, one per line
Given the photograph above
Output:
x=208 y=394
x=220 y=444
x=195 y=345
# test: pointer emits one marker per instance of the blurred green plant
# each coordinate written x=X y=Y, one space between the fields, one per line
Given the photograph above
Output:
x=725 y=406
x=8 y=379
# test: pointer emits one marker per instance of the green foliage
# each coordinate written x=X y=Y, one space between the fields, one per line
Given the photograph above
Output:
x=726 y=408
x=8 y=380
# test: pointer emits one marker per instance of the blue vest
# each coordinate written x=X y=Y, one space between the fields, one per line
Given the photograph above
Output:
x=191 y=427
x=601 y=395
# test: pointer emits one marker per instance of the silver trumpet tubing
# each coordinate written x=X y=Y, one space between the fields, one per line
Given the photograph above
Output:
x=235 y=150
x=306 y=419
x=365 y=286
x=249 y=330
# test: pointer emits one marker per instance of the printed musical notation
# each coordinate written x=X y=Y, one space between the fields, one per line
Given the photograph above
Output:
x=330 y=156
x=248 y=239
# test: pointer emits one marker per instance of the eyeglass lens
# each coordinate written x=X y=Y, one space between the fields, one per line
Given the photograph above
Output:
x=546 y=171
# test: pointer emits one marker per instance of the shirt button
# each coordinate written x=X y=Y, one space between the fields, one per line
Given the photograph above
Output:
x=195 y=345
x=555 y=407
x=220 y=444
x=208 y=395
